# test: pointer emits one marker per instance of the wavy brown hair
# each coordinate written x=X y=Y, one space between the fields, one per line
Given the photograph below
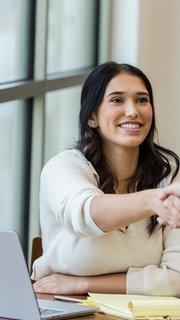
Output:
x=154 y=160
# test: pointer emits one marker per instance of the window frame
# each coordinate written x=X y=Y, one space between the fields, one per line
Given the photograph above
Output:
x=35 y=88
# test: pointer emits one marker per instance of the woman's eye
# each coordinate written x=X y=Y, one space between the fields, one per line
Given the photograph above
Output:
x=142 y=100
x=117 y=100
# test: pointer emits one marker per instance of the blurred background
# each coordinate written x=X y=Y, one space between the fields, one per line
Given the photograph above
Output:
x=47 y=49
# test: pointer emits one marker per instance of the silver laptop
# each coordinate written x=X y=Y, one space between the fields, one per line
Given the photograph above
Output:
x=17 y=298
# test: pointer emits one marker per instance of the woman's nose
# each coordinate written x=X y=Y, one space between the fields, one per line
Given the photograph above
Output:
x=130 y=109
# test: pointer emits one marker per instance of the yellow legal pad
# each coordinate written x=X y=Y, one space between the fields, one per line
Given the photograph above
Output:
x=137 y=306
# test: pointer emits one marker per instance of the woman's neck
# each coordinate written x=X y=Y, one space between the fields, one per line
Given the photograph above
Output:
x=123 y=164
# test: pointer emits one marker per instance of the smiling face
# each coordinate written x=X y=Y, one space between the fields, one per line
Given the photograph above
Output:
x=124 y=117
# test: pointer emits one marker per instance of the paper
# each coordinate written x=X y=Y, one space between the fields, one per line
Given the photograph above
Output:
x=137 y=306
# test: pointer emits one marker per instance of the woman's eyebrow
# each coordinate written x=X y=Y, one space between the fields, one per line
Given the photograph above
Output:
x=144 y=93
x=122 y=92
x=114 y=93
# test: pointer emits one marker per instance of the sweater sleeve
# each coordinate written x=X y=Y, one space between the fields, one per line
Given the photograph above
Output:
x=163 y=280
x=68 y=183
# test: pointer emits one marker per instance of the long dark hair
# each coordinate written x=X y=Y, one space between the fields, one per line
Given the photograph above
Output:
x=154 y=160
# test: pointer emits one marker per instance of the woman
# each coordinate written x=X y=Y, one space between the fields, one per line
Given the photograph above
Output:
x=99 y=203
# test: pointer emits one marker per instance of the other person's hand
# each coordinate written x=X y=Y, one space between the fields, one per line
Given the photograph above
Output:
x=170 y=198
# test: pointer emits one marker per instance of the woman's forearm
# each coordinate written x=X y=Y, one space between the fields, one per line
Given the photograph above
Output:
x=67 y=284
x=110 y=283
x=111 y=212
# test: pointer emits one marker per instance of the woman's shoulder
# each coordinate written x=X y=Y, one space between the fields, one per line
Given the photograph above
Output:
x=72 y=158
x=70 y=155
x=167 y=180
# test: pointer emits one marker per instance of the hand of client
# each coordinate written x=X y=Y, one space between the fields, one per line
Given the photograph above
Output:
x=171 y=201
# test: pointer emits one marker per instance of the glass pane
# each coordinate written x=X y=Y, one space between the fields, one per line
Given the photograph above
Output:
x=61 y=123
x=12 y=141
x=14 y=39
x=71 y=30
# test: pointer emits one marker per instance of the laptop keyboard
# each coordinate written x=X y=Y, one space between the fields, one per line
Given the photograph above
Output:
x=45 y=312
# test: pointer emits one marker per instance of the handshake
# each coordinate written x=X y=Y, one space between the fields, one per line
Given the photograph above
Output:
x=170 y=200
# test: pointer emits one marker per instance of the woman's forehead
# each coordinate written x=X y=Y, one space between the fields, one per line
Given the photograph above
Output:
x=124 y=82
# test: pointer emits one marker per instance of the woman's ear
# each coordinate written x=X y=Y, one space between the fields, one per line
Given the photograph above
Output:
x=92 y=121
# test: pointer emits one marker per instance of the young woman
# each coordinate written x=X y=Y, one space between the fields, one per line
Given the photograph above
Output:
x=99 y=202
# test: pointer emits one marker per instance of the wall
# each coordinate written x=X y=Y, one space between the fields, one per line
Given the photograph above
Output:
x=145 y=33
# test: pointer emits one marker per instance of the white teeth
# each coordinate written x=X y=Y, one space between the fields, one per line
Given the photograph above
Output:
x=130 y=126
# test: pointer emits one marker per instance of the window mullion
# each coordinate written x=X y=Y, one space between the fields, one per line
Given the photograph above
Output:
x=40 y=57
x=104 y=39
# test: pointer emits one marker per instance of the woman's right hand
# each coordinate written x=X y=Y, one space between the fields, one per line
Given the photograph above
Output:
x=170 y=198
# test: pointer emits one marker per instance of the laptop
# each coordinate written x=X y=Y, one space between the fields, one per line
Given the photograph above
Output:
x=17 y=298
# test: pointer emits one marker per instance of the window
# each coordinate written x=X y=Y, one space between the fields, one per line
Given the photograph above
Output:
x=49 y=47
x=71 y=35
x=12 y=164
x=15 y=28
x=61 y=120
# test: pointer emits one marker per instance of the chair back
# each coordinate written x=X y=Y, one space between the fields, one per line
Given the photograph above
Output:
x=36 y=251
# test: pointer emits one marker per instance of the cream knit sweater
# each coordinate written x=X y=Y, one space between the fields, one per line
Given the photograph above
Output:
x=73 y=243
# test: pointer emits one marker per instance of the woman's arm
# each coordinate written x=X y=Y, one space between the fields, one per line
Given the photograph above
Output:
x=69 y=185
x=67 y=284
x=162 y=279
x=112 y=212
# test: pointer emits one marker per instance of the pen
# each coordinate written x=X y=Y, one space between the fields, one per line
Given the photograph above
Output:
x=164 y=318
x=68 y=299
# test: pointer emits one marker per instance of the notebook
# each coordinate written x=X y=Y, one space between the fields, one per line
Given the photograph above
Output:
x=138 y=306
x=17 y=298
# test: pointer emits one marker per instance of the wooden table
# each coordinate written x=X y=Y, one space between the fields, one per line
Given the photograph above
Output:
x=96 y=316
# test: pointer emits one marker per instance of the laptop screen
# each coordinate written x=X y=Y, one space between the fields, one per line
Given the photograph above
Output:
x=17 y=298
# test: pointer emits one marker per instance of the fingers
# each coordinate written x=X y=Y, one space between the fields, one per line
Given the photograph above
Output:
x=171 y=216
x=46 y=285
x=60 y=284
x=162 y=221
x=170 y=198
x=42 y=286
x=172 y=189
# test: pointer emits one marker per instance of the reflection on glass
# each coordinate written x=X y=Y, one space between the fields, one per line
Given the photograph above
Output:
x=14 y=39
x=71 y=34
x=61 y=121
x=12 y=141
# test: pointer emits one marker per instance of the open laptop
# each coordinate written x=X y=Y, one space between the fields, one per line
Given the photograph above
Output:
x=17 y=298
